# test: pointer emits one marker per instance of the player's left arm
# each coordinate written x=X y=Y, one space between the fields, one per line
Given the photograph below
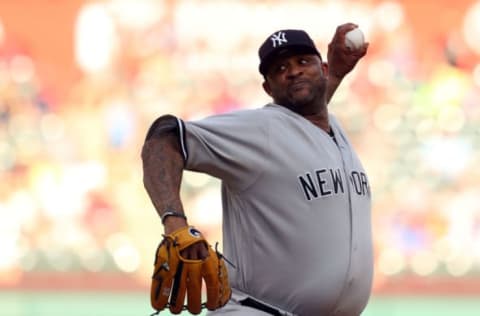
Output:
x=341 y=59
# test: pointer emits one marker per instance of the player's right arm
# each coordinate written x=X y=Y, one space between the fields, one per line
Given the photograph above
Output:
x=163 y=165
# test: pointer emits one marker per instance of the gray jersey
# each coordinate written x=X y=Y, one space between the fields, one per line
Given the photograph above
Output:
x=296 y=208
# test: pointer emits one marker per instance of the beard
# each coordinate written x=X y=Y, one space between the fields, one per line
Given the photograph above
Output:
x=304 y=98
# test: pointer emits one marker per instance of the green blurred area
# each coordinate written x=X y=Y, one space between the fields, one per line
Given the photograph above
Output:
x=137 y=303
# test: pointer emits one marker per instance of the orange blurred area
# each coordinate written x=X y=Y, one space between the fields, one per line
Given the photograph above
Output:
x=81 y=82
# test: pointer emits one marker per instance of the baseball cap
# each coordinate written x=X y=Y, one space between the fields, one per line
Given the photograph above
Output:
x=284 y=41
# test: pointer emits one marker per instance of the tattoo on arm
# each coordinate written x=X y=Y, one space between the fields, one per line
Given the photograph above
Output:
x=162 y=171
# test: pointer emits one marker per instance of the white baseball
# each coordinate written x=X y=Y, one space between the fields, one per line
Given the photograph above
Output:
x=354 y=39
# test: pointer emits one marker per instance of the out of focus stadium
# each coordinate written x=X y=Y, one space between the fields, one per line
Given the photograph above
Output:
x=81 y=81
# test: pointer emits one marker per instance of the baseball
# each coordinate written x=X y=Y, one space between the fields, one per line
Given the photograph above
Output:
x=354 y=39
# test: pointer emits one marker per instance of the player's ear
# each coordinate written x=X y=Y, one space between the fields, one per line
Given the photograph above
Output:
x=325 y=68
x=266 y=87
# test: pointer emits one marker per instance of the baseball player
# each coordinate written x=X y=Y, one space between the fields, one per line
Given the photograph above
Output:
x=296 y=199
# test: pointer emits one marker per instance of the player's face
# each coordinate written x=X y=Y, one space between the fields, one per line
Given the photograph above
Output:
x=297 y=82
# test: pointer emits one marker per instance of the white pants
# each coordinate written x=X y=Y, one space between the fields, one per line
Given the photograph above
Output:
x=234 y=308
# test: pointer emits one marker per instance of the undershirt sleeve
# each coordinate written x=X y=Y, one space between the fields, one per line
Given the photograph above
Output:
x=232 y=147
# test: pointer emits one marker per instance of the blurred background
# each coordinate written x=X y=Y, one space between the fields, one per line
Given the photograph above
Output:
x=81 y=81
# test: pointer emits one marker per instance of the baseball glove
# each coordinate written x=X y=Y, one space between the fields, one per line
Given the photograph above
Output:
x=175 y=277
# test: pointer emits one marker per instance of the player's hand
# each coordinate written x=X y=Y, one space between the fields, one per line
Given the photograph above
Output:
x=341 y=59
x=197 y=251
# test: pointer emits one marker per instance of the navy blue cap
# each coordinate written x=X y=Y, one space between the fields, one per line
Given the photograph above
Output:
x=296 y=41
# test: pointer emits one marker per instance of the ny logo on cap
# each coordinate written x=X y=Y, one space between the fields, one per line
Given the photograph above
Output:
x=278 y=39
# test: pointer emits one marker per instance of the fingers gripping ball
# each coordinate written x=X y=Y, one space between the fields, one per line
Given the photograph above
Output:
x=175 y=277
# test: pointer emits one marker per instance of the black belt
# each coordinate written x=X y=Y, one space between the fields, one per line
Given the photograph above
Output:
x=250 y=302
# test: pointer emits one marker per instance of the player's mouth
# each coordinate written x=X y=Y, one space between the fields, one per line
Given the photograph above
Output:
x=298 y=85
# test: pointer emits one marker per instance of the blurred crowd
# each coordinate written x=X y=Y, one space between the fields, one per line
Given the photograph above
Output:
x=71 y=195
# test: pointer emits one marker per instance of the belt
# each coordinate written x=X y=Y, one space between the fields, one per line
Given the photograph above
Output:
x=250 y=302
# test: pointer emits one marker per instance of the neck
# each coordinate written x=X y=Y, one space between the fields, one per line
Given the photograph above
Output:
x=319 y=119
x=318 y=114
